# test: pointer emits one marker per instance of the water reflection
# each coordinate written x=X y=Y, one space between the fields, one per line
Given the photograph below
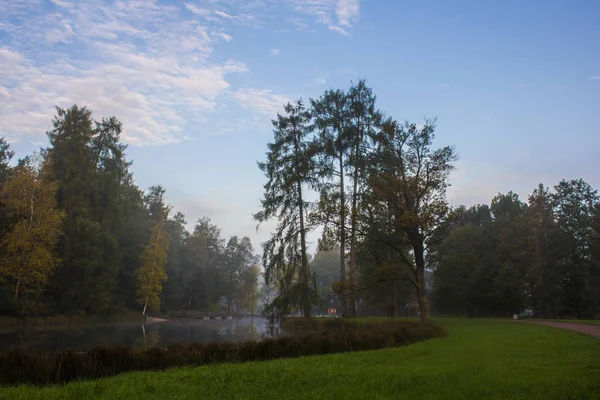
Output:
x=134 y=335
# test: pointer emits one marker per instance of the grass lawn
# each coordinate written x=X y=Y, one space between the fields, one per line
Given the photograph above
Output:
x=481 y=359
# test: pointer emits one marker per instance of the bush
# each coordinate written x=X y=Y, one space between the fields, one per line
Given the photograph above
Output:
x=330 y=336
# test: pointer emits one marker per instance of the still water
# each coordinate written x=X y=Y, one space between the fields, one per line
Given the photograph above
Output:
x=136 y=335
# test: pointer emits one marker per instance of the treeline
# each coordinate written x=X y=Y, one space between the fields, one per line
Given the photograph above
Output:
x=78 y=236
x=389 y=234
x=540 y=257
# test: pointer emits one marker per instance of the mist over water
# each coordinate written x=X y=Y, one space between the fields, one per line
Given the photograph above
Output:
x=136 y=335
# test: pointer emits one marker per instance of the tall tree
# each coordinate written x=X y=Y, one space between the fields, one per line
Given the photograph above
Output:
x=364 y=122
x=203 y=275
x=574 y=206
x=331 y=113
x=29 y=257
x=174 y=289
x=542 y=278
x=80 y=279
x=289 y=169
x=416 y=190
x=151 y=274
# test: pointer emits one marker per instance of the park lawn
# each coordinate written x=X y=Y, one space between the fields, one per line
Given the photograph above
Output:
x=480 y=359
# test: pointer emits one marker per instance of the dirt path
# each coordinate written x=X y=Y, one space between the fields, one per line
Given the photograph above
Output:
x=592 y=330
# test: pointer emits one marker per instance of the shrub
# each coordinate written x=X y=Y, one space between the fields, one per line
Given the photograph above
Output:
x=329 y=336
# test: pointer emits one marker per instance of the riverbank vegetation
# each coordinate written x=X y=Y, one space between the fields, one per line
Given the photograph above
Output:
x=480 y=359
x=18 y=367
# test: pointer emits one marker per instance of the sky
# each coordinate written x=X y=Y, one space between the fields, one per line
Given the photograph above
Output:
x=515 y=85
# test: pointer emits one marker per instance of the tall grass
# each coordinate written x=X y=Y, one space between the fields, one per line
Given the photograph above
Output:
x=18 y=366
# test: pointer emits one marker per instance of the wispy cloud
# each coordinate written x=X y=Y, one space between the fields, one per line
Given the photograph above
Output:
x=261 y=101
x=594 y=78
x=224 y=36
x=143 y=62
x=147 y=62
x=318 y=81
x=445 y=85
x=337 y=15
x=274 y=52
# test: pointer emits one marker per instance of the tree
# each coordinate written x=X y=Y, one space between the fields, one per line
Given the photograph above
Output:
x=412 y=178
x=574 y=204
x=289 y=169
x=151 y=274
x=5 y=156
x=203 y=272
x=29 y=258
x=79 y=277
x=542 y=277
x=174 y=289
x=247 y=292
x=331 y=118
x=364 y=121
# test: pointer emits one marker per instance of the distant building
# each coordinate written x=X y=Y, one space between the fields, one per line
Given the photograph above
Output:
x=331 y=311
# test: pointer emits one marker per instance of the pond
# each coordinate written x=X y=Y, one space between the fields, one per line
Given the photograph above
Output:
x=137 y=335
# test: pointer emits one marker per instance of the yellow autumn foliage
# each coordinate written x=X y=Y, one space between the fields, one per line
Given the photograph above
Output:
x=29 y=259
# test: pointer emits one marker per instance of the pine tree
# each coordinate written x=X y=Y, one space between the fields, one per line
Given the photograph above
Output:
x=289 y=169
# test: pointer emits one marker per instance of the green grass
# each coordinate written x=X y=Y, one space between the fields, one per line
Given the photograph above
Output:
x=481 y=359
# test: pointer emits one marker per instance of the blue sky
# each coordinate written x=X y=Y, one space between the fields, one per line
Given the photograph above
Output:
x=515 y=85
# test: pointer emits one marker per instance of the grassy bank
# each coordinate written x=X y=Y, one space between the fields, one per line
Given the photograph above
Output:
x=18 y=366
x=481 y=359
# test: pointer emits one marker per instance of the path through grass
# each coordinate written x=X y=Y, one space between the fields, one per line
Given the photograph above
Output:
x=481 y=359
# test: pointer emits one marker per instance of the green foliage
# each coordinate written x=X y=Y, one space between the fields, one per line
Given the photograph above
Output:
x=107 y=249
x=290 y=170
x=536 y=256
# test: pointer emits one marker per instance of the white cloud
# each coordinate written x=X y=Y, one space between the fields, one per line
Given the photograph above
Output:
x=203 y=12
x=223 y=14
x=338 y=15
x=261 y=101
x=347 y=11
x=274 y=52
x=146 y=62
x=594 y=78
x=445 y=85
x=140 y=61
x=224 y=36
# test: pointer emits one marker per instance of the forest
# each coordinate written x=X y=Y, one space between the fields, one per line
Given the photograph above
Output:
x=79 y=237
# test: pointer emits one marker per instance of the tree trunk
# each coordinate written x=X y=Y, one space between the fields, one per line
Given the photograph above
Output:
x=353 y=238
x=342 y=234
x=417 y=243
x=395 y=298
x=305 y=297
x=17 y=287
